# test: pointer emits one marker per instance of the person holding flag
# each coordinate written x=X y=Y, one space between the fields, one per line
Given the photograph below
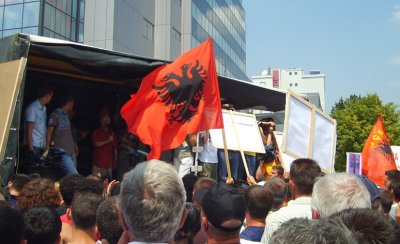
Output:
x=377 y=156
x=175 y=100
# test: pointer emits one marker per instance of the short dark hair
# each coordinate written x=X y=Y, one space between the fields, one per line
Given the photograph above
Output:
x=83 y=209
x=70 y=184
x=279 y=189
x=386 y=200
x=19 y=181
x=43 y=91
x=259 y=201
x=303 y=172
x=92 y=186
x=65 y=99
x=394 y=186
x=11 y=225
x=43 y=225
x=188 y=182
x=393 y=174
x=192 y=223
x=107 y=220
x=103 y=174
x=279 y=169
x=369 y=226
x=204 y=183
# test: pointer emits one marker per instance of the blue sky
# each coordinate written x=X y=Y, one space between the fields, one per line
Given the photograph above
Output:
x=356 y=44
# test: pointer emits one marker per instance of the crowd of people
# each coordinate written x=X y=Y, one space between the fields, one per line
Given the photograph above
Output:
x=153 y=204
x=162 y=201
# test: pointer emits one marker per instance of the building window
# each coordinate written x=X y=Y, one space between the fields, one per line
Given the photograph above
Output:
x=290 y=84
x=290 y=73
x=176 y=34
x=31 y=14
x=295 y=84
x=295 y=73
x=12 y=16
x=148 y=30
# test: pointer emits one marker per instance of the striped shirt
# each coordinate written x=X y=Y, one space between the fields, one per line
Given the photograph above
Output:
x=299 y=208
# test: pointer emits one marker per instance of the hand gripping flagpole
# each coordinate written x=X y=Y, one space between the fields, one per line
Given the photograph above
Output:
x=228 y=165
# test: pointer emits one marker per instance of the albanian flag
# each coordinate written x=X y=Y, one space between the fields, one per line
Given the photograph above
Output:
x=175 y=100
x=377 y=156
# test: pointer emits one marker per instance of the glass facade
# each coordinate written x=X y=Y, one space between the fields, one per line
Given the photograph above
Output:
x=62 y=19
x=224 y=21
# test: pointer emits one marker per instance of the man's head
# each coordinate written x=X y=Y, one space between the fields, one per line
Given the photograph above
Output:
x=394 y=188
x=279 y=190
x=303 y=173
x=104 y=120
x=69 y=185
x=277 y=171
x=386 y=201
x=107 y=220
x=152 y=201
x=223 y=208
x=259 y=202
x=67 y=103
x=104 y=176
x=389 y=176
x=42 y=225
x=45 y=94
x=335 y=192
x=11 y=225
x=38 y=192
x=304 y=231
x=83 y=210
x=369 y=226
x=92 y=185
x=202 y=183
x=17 y=182
x=192 y=224
x=189 y=181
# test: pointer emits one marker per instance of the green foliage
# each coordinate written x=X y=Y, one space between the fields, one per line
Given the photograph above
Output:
x=355 y=117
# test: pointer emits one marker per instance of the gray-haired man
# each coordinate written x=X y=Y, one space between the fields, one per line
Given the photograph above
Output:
x=152 y=203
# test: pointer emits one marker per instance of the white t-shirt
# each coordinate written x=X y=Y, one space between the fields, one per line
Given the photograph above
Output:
x=209 y=153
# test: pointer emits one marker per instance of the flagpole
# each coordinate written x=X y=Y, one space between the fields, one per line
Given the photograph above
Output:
x=228 y=165
x=196 y=158
x=239 y=144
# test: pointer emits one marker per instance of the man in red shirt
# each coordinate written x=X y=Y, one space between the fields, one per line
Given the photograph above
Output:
x=104 y=145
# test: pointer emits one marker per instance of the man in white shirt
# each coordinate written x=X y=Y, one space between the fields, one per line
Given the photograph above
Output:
x=303 y=173
x=208 y=158
x=35 y=121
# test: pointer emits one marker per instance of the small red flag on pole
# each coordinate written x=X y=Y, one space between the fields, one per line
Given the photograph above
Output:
x=377 y=156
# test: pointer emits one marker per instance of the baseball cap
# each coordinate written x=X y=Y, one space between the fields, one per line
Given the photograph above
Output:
x=220 y=203
x=371 y=187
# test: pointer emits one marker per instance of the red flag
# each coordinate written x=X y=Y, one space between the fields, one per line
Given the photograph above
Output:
x=175 y=100
x=377 y=156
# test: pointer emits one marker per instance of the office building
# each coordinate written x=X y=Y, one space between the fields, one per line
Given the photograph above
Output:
x=61 y=19
x=164 y=29
x=311 y=84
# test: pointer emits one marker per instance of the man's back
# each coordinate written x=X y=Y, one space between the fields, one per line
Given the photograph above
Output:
x=299 y=208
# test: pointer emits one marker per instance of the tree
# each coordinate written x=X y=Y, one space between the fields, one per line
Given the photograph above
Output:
x=355 y=117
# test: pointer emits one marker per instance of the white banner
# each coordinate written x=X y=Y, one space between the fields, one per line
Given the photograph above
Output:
x=396 y=154
x=246 y=129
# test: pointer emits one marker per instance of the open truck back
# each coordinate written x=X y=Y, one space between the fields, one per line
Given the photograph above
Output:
x=96 y=78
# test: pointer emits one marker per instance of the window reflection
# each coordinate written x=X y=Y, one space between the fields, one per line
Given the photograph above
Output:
x=12 y=16
x=31 y=14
